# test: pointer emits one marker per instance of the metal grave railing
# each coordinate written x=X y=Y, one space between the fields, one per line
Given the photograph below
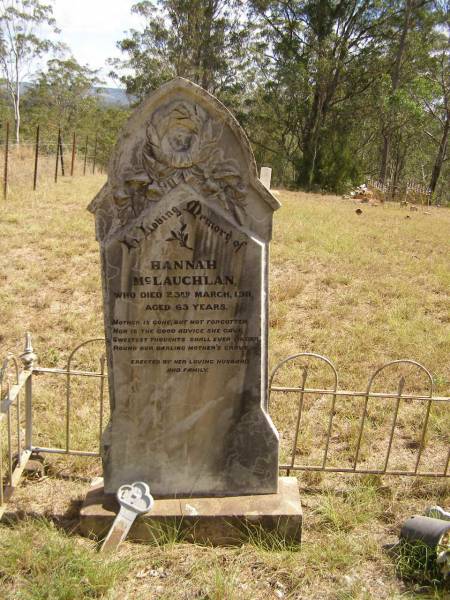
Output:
x=353 y=462
x=18 y=416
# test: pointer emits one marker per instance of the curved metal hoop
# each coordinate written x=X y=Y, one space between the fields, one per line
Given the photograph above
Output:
x=398 y=399
x=10 y=358
x=306 y=354
x=302 y=390
x=402 y=361
x=75 y=350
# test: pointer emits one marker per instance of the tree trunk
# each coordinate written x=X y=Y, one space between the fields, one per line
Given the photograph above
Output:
x=17 y=103
x=311 y=140
x=384 y=158
x=395 y=79
x=210 y=13
x=400 y=157
x=442 y=151
x=17 y=123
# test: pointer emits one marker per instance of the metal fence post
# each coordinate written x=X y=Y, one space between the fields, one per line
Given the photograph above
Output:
x=28 y=357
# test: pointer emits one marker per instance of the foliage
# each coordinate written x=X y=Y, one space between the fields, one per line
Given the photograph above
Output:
x=329 y=92
x=202 y=40
x=62 y=97
x=337 y=81
x=21 y=44
x=108 y=123
x=416 y=561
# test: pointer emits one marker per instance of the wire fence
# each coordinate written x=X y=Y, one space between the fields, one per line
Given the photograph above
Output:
x=49 y=157
x=372 y=431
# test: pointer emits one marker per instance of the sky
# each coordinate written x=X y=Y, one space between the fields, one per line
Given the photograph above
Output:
x=91 y=29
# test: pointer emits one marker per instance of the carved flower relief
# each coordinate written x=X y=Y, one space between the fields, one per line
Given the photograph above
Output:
x=175 y=136
x=181 y=147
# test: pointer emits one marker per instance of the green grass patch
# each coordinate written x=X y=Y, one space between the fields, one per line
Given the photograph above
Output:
x=40 y=562
x=416 y=562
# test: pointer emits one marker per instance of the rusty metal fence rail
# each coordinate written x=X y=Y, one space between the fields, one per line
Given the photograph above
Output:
x=354 y=464
x=70 y=373
x=17 y=421
x=407 y=190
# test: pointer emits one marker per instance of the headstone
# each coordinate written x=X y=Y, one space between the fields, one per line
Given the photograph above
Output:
x=266 y=176
x=184 y=226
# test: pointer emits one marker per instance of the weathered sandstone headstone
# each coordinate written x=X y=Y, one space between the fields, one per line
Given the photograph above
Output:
x=266 y=176
x=184 y=226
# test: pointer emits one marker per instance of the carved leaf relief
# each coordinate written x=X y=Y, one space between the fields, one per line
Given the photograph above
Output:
x=182 y=146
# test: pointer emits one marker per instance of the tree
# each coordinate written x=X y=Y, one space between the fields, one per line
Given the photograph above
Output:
x=21 y=45
x=108 y=120
x=202 y=40
x=66 y=96
x=408 y=39
x=439 y=111
x=63 y=95
x=320 y=56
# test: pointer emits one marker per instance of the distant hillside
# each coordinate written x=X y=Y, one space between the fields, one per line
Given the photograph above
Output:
x=113 y=96
x=108 y=95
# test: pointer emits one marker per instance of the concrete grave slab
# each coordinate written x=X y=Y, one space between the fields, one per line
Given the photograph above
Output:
x=219 y=521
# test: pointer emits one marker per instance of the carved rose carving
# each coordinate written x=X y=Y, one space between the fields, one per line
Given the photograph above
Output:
x=182 y=147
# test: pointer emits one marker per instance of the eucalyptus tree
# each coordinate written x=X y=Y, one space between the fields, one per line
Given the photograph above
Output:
x=439 y=111
x=203 y=40
x=321 y=56
x=21 y=45
x=64 y=95
x=408 y=40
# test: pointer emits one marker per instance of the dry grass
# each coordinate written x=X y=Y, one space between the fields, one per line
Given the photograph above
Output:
x=21 y=164
x=363 y=290
x=360 y=289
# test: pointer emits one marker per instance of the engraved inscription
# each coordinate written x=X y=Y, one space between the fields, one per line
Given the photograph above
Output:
x=184 y=226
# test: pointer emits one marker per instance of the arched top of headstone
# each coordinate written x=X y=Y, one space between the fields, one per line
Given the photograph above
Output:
x=181 y=134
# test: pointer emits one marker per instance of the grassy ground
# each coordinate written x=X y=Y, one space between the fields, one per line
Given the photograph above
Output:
x=360 y=289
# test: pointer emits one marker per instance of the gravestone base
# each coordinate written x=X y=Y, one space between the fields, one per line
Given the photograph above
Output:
x=217 y=521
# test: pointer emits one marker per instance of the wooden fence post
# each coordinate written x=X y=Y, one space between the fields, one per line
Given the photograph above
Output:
x=95 y=154
x=61 y=155
x=36 y=158
x=5 y=171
